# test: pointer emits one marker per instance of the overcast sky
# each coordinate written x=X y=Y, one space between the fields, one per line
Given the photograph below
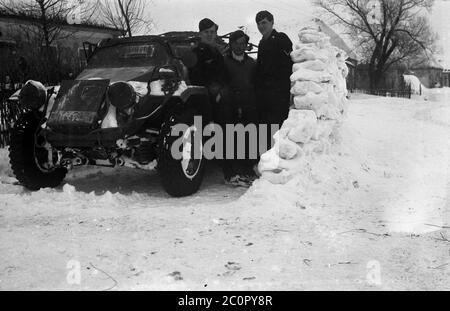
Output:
x=228 y=14
x=290 y=15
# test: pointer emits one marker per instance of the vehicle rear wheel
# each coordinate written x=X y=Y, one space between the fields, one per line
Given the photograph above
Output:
x=33 y=163
x=181 y=177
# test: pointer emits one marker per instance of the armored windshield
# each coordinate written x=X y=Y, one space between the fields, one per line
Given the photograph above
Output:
x=130 y=55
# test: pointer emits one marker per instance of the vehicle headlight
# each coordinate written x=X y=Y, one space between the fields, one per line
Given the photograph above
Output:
x=122 y=95
x=33 y=95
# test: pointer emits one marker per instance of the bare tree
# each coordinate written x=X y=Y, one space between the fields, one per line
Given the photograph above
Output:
x=387 y=32
x=47 y=17
x=127 y=15
x=46 y=20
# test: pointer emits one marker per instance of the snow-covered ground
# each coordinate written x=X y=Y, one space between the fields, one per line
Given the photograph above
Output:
x=420 y=91
x=373 y=214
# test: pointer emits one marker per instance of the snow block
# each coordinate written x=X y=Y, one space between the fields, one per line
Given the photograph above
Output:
x=314 y=35
x=297 y=117
x=314 y=65
x=287 y=149
x=311 y=101
x=319 y=104
x=306 y=37
x=310 y=75
x=304 y=87
x=269 y=161
x=304 y=129
x=281 y=134
x=299 y=46
x=308 y=53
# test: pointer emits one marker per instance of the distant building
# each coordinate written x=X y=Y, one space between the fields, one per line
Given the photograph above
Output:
x=429 y=72
x=446 y=77
x=18 y=32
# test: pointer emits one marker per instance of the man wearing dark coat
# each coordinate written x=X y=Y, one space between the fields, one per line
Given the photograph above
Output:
x=241 y=70
x=273 y=71
x=209 y=70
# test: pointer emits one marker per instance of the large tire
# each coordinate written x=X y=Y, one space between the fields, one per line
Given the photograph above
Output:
x=176 y=180
x=22 y=154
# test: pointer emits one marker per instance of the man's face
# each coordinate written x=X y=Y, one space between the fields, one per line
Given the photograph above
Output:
x=239 y=46
x=265 y=27
x=209 y=35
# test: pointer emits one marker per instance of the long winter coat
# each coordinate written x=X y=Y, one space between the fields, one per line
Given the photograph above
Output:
x=241 y=82
x=273 y=70
x=210 y=67
x=274 y=65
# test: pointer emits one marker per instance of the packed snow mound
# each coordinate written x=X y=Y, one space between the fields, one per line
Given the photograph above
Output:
x=320 y=90
x=416 y=86
x=5 y=168
x=437 y=94
x=433 y=94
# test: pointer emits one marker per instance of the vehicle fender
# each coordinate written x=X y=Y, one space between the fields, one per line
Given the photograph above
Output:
x=198 y=98
x=14 y=98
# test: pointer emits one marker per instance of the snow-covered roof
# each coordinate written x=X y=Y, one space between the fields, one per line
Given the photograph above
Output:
x=427 y=63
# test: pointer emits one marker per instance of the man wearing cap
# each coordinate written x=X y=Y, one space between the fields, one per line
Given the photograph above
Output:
x=273 y=71
x=210 y=68
x=241 y=71
x=210 y=72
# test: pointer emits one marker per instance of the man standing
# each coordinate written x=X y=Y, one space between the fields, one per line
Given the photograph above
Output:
x=273 y=71
x=210 y=68
x=241 y=80
x=241 y=70
x=210 y=71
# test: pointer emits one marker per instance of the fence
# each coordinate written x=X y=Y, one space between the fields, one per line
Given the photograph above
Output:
x=404 y=93
x=9 y=113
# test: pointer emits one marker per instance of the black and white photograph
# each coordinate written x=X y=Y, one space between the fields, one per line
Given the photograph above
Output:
x=224 y=146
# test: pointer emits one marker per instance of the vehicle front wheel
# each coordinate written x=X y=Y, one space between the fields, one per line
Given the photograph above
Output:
x=32 y=161
x=181 y=177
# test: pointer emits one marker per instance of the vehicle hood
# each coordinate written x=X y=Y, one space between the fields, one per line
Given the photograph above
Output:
x=140 y=74
x=78 y=106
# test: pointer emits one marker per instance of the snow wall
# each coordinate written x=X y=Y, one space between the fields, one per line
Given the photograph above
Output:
x=319 y=88
x=5 y=168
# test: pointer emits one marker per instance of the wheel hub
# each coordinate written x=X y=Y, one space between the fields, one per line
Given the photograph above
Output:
x=189 y=163
x=45 y=156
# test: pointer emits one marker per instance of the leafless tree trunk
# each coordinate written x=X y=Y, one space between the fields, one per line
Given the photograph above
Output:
x=127 y=15
x=387 y=32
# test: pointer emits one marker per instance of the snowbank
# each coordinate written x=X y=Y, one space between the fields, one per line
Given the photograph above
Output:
x=437 y=94
x=434 y=94
x=319 y=89
x=416 y=86
x=5 y=169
